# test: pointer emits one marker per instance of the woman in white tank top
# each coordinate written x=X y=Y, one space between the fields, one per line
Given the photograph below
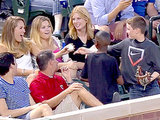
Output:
x=13 y=41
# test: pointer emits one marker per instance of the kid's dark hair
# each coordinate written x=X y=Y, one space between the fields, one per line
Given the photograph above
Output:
x=103 y=38
x=6 y=59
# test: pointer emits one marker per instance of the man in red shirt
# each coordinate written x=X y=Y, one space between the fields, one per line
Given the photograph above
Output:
x=47 y=87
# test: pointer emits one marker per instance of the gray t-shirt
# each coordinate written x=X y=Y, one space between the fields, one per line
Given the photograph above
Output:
x=134 y=53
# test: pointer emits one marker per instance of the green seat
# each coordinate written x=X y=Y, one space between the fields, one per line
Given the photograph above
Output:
x=73 y=3
x=123 y=92
x=64 y=12
x=151 y=25
x=21 y=8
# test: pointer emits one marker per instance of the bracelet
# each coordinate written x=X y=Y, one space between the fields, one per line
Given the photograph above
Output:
x=69 y=83
x=23 y=71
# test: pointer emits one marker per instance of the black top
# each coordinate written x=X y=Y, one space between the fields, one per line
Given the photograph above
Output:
x=102 y=72
x=77 y=43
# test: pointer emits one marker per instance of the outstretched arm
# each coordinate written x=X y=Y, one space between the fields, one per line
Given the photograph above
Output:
x=68 y=48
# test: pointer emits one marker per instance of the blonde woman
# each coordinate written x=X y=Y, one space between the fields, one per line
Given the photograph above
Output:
x=81 y=33
x=13 y=41
x=41 y=35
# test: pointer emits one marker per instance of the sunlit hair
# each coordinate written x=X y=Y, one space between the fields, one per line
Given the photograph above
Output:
x=8 y=38
x=35 y=30
x=83 y=13
x=137 y=22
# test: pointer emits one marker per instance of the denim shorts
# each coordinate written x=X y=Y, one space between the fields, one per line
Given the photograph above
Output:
x=25 y=116
x=137 y=91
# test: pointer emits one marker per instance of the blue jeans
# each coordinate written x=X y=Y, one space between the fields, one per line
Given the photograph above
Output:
x=137 y=91
x=51 y=6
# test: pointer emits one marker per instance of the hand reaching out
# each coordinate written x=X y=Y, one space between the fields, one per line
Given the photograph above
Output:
x=82 y=51
x=68 y=48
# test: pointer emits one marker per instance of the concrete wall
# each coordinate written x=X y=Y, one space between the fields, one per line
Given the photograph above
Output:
x=147 y=108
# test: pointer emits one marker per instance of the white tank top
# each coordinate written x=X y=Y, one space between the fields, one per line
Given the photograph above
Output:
x=25 y=62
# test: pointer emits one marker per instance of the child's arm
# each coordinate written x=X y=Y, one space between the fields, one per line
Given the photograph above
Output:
x=120 y=80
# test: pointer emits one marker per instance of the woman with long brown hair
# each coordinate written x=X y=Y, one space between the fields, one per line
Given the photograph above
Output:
x=13 y=41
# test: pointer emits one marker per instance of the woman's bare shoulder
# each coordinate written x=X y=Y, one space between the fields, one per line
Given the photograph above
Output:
x=3 y=48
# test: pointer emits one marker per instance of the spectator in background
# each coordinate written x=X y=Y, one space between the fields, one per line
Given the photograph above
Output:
x=15 y=99
x=104 y=13
x=146 y=9
x=101 y=70
x=53 y=7
x=157 y=4
x=5 y=9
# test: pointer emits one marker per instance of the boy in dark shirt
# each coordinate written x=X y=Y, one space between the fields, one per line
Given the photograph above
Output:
x=102 y=70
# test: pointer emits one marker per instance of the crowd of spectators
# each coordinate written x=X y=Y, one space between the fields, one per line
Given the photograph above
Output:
x=98 y=33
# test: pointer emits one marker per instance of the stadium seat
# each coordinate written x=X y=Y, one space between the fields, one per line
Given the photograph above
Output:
x=124 y=95
x=158 y=34
x=73 y=3
x=151 y=25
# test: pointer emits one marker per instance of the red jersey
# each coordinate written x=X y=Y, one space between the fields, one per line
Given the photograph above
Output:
x=44 y=87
